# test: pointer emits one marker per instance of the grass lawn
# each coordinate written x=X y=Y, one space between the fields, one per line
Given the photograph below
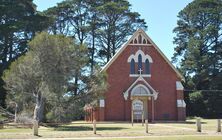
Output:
x=157 y=131
x=177 y=138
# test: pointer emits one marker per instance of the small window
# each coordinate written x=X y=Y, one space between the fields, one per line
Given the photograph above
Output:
x=144 y=41
x=147 y=66
x=132 y=67
x=140 y=39
x=139 y=62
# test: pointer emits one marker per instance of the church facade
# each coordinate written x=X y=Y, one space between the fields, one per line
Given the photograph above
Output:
x=142 y=84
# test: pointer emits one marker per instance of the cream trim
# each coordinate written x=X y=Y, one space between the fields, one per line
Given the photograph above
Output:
x=157 y=48
x=137 y=75
x=117 y=54
x=181 y=103
x=140 y=85
x=128 y=42
x=149 y=45
x=135 y=57
x=140 y=78
x=136 y=40
x=179 y=85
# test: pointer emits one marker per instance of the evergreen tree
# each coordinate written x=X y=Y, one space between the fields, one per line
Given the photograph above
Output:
x=103 y=25
x=199 y=55
x=199 y=44
x=118 y=23
x=19 y=22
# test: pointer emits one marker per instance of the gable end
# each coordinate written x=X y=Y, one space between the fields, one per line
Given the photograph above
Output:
x=138 y=36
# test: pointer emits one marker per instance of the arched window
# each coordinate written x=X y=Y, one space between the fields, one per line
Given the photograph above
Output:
x=147 y=66
x=132 y=67
x=139 y=61
x=140 y=39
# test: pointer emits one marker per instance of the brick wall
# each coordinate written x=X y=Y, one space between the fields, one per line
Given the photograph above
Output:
x=163 y=79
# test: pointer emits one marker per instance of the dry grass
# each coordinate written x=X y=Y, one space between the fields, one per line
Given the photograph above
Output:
x=156 y=130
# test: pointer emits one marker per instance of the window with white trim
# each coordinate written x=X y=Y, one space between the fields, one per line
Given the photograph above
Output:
x=147 y=67
x=132 y=66
x=140 y=65
x=142 y=61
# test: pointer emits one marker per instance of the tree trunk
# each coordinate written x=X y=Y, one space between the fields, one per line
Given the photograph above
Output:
x=16 y=109
x=39 y=108
x=93 y=50
x=108 y=48
x=76 y=83
x=5 y=52
x=10 y=48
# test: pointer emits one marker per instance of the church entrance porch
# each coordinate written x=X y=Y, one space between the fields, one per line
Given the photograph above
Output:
x=141 y=109
x=142 y=106
x=142 y=97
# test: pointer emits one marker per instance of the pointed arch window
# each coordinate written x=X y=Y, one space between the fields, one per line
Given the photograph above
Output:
x=147 y=66
x=132 y=66
x=140 y=39
x=140 y=64
x=139 y=61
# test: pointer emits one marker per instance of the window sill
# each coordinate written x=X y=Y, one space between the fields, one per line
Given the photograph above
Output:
x=137 y=75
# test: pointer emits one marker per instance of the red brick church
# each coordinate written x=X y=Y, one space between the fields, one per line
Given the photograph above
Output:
x=142 y=84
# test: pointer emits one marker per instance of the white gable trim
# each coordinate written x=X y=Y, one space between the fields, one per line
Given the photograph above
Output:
x=137 y=75
x=154 y=93
x=117 y=54
x=144 y=57
x=149 y=39
x=140 y=85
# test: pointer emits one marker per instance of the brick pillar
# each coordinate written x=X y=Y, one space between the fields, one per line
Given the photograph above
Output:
x=101 y=114
x=181 y=105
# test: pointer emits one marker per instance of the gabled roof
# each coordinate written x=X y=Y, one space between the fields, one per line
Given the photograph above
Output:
x=149 y=42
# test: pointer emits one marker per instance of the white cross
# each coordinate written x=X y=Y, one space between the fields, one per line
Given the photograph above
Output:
x=140 y=70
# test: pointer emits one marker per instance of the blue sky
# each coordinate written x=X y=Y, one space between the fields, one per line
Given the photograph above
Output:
x=160 y=15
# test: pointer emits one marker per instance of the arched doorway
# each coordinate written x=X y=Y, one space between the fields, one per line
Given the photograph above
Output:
x=140 y=95
x=138 y=109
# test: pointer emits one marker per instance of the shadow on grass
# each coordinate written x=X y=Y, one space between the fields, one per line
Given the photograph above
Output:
x=167 y=122
x=38 y=136
x=193 y=122
x=85 y=128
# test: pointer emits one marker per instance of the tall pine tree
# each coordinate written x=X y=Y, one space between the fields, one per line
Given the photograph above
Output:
x=199 y=55
x=19 y=22
x=199 y=44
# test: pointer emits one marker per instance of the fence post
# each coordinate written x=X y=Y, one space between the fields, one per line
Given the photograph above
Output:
x=219 y=125
x=35 y=127
x=94 y=126
x=198 y=123
x=132 y=117
x=142 y=118
x=146 y=121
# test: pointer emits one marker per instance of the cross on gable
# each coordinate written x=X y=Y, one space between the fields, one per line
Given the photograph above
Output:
x=140 y=71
